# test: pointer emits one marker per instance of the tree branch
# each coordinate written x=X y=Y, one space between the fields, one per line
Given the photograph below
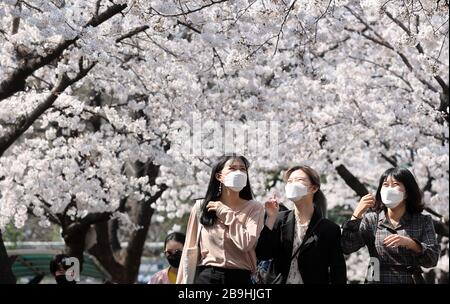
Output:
x=7 y=140
x=419 y=48
x=291 y=7
x=331 y=48
x=97 y=7
x=390 y=160
x=381 y=41
x=352 y=181
x=387 y=69
x=189 y=26
x=16 y=20
x=16 y=81
x=189 y=11
x=132 y=33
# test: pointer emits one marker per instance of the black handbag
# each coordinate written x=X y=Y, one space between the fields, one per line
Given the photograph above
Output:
x=271 y=276
x=417 y=275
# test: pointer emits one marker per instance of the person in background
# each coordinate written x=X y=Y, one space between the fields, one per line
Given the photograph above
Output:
x=59 y=267
x=173 y=247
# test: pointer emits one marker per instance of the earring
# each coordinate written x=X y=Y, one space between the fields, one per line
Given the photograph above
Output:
x=220 y=188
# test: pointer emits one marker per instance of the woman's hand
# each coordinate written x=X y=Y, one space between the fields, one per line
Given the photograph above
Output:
x=396 y=240
x=272 y=209
x=213 y=206
x=366 y=202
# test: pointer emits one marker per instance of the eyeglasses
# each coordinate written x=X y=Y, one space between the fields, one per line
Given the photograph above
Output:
x=170 y=252
x=298 y=180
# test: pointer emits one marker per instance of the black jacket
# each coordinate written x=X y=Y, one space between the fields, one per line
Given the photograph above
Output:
x=321 y=260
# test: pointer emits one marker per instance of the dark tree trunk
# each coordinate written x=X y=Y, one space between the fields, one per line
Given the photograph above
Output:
x=137 y=241
x=105 y=255
x=6 y=274
x=123 y=263
x=352 y=181
x=75 y=242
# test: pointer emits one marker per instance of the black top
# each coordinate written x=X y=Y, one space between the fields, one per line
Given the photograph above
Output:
x=320 y=259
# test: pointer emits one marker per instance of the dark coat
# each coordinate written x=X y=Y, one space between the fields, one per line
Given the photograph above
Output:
x=321 y=260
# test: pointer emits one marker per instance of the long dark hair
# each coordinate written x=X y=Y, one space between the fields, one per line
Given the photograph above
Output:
x=319 y=198
x=208 y=218
x=413 y=201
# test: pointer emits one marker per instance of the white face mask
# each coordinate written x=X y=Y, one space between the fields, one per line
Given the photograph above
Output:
x=235 y=180
x=295 y=191
x=391 y=197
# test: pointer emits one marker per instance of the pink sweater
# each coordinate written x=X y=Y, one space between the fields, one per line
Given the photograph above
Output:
x=231 y=241
x=161 y=277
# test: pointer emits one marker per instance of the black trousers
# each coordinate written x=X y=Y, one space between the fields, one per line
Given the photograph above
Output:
x=217 y=275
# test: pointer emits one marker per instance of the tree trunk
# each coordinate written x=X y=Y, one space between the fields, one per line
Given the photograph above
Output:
x=6 y=274
x=137 y=241
x=75 y=242
x=123 y=263
x=104 y=254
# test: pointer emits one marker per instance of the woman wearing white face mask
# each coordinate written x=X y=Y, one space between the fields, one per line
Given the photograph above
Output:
x=399 y=237
x=305 y=247
x=226 y=225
